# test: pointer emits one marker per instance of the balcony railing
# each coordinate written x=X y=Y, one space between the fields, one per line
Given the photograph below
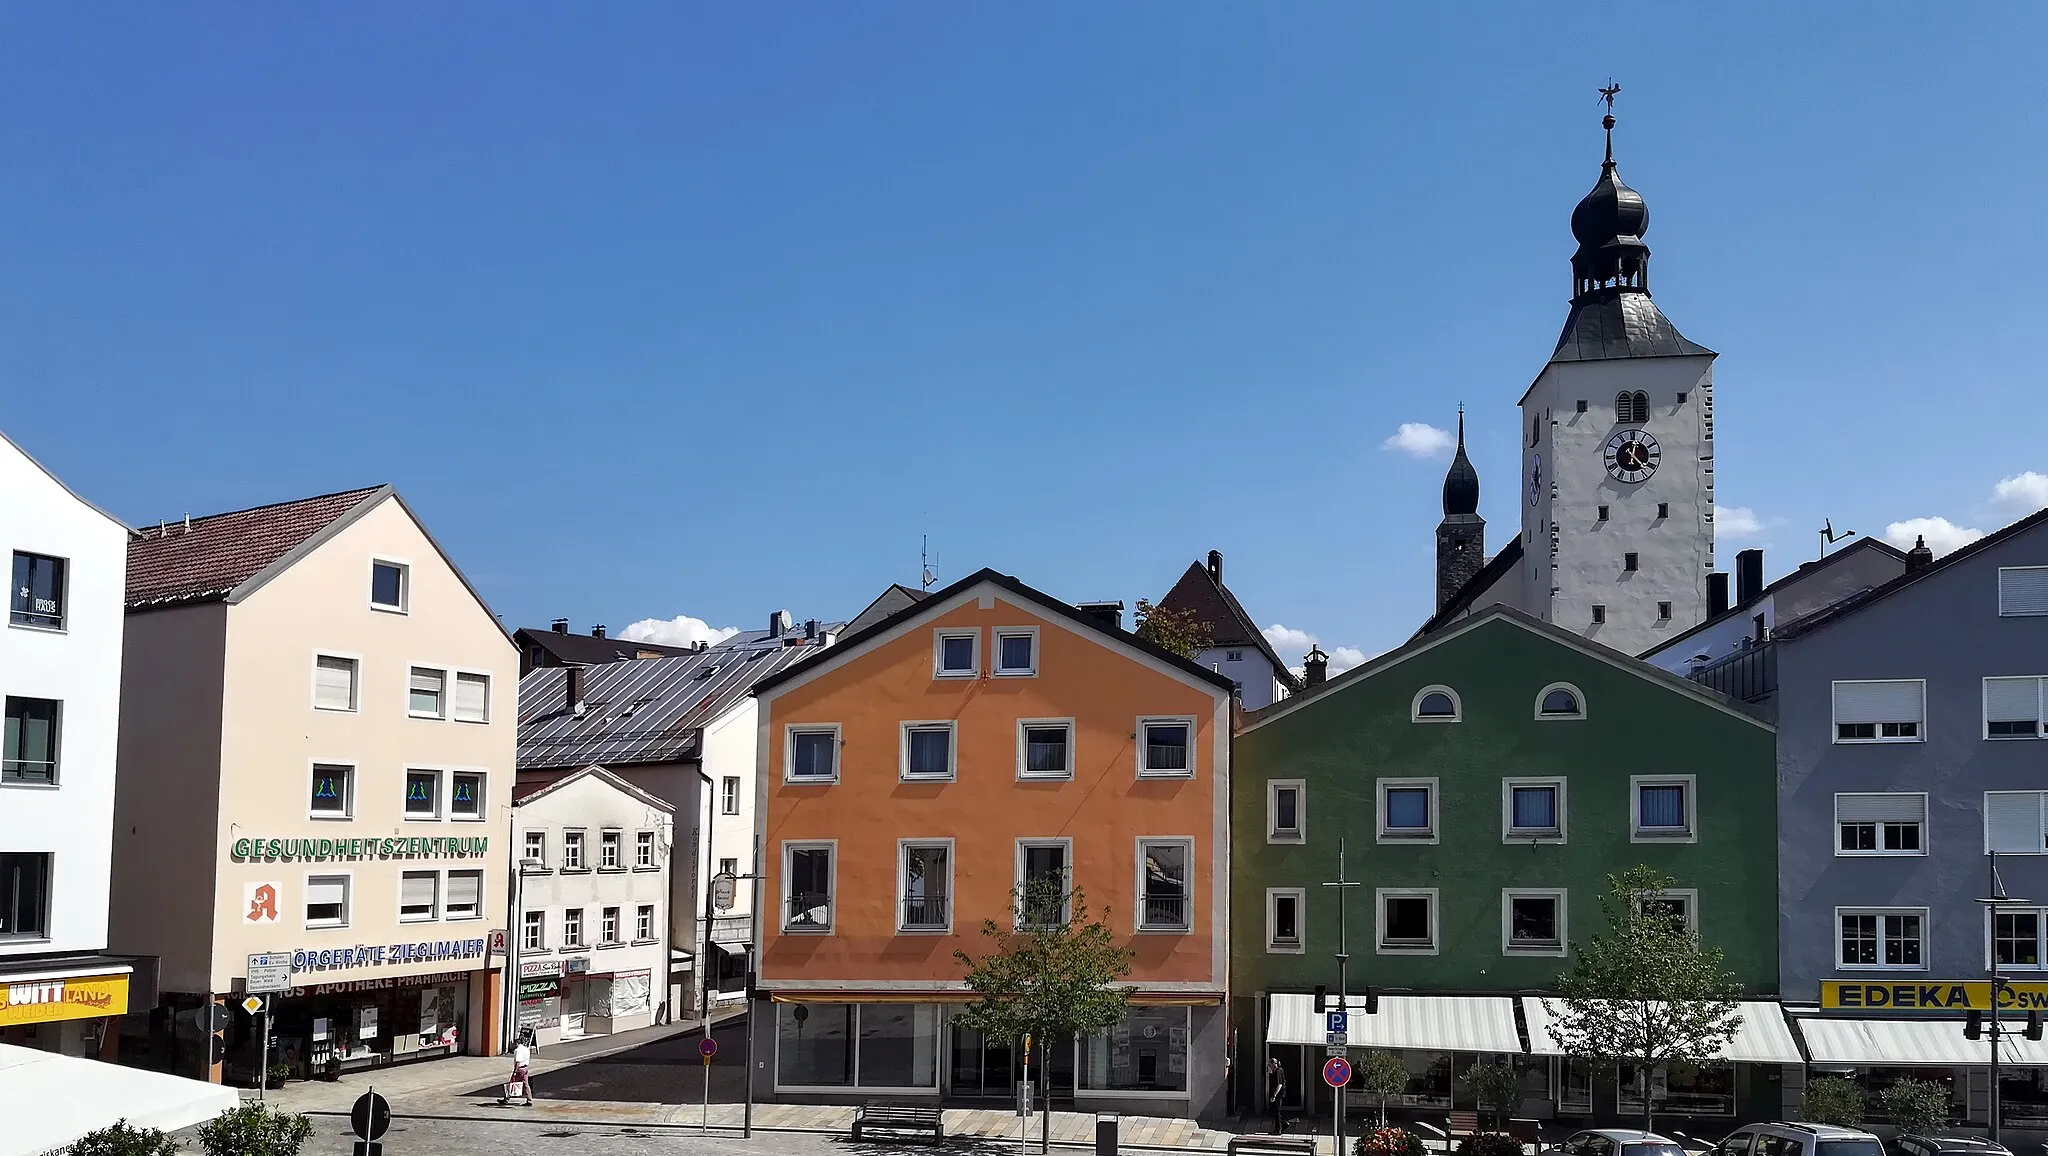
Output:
x=1166 y=913
x=924 y=911
x=28 y=771
x=807 y=909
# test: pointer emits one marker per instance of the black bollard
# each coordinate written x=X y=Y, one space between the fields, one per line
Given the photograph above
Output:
x=1105 y=1136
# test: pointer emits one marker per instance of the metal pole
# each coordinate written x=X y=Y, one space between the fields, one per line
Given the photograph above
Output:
x=1343 y=886
x=707 y=1094
x=1992 y=859
x=514 y=929
x=263 y=1068
x=704 y=902
x=753 y=969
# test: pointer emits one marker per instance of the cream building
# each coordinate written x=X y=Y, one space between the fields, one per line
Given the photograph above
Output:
x=315 y=762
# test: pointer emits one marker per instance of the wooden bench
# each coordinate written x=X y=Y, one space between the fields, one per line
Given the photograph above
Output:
x=1271 y=1146
x=899 y=1120
x=1462 y=1124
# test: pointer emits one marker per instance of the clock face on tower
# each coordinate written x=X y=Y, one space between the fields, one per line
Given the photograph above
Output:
x=1631 y=456
x=1536 y=480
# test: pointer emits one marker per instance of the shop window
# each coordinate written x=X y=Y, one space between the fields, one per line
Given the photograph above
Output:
x=814 y=1045
x=1148 y=1052
x=418 y=896
x=327 y=900
x=899 y=1046
x=610 y=844
x=422 y=795
x=1675 y=1089
x=465 y=898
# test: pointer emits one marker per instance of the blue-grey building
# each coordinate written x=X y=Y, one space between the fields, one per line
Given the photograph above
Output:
x=1911 y=743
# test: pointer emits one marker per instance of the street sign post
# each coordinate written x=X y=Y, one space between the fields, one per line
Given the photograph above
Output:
x=1336 y=1071
x=253 y=1004
x=267 y=972
x=369 y=1119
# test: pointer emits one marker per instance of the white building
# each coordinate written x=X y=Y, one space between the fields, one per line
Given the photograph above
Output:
x=60 y=672
x=1237 y=649
x=593 y=903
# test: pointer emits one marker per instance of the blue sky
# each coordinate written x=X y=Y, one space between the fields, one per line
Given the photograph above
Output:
x=658 y=310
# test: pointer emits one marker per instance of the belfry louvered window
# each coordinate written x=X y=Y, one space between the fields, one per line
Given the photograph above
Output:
x=1631 y=408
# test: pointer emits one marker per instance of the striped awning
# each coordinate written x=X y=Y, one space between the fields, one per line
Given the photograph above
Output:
x=1760 y=1038
x=1437 y=1023
x=1901 y=1043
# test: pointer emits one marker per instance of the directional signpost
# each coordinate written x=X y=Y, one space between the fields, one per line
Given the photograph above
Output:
x=369 y=1119
x=1336 y=1071
x=265 y=972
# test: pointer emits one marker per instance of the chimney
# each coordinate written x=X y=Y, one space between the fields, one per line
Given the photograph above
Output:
x=1216 y=565
x=1749 y=575
x=597 y=631
x=810 y=630
x=1316 y=667
x=703 y=644
x=1110 y=614
x=778 y=624
x=576 y=691
x=1919 y=555
x=1717 y=594
x=559 y=626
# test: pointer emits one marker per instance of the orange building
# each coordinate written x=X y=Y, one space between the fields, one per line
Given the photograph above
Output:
x=915 y=775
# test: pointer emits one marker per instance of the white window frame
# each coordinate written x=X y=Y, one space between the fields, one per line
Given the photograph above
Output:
x=433 y=914
x=483 y=794
x=1142 y=745
x=404 y=605
x=643 y=913
x=996 y=651
x=348 y=803
x=648 y=842
x=448 y=915
x=1880 y=852
x=2040 y=915
x=1637 y=833
x=1017 y=873
x=573 y=942
x=1300 y=896
x=440 y=715
x=2002 y=572
x=1578 y=696
x=611 y=925
x=355 y=682
x=1300 y=832
x=952 y=733
x=831 y=924
x=1380 y=896
x=1509 y=833
x=939 y=636
x=789 y=733
x=903 y=847
x=2040 y=706
x=1138 y=925
x=456 y=675
x=1024 y=726
x=579 y=838
x=1403 y=834
x=611 y=840
x=348 y=900
x=729 y=795
x=405 y=813
x=1691 y=898
x=526 y=837
x=1415 y=705
x=1881 y=913
x=2041 y=811
x=1835 y=726
x=1508 y=946
x=533 y=919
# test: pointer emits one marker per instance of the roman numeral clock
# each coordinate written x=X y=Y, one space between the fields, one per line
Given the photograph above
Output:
x=1632 y=456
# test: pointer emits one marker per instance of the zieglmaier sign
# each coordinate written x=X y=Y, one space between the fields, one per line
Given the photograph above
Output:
x=1955 y=995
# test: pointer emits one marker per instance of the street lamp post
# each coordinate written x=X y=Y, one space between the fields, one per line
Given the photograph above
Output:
x=1992 y=902
x=1343 y=886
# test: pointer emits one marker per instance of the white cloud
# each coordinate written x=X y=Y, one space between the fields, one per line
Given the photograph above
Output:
x=682 y=630
x=1942 y=535
x=2022 y=494
x=1343 y=658
x=1420 y=440
x=1291 y=643
x=1736 y=522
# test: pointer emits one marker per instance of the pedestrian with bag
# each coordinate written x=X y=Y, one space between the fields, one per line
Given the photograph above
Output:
x=521 y=1085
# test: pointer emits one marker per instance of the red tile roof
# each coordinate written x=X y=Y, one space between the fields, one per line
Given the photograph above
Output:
x=215 y=554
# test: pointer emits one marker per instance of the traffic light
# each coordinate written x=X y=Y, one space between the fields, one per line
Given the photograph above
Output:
x=1372 y=1001
x=2033 y=1025
x=1973 y=1028
x=1322 y=999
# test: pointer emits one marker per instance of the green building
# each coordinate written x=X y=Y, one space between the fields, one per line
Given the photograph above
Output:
x=1486 y=780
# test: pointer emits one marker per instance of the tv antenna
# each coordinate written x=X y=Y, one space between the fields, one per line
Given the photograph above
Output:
x=1829 y=535
x=927 y=563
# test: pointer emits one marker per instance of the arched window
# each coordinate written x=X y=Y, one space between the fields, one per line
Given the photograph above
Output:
x=1560 y=700
x=1436 y=704
x=1642 y=406
x=1624 y=407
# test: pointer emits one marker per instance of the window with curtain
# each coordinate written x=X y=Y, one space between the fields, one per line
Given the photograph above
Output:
x=472 y=697
x=1662 y=807
x=813 y=754
x=1533 y=809
x=1407 y=810
x=928 y=751
x=1165 y=747
x=334 y=682
x=1045 y=751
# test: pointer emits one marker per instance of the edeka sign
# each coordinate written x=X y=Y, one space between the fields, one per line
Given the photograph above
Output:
x=381 y=954
x=1930 y=995
x=343 y=850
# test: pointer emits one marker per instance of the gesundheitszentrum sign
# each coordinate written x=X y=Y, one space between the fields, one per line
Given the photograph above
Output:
x=1957 y=995
x=339 y=850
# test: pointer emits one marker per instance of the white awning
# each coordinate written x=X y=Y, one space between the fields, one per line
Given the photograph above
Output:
x=1760 y=1038
x=74 y=1096
x=1900 y=1043
x=1434 y=1023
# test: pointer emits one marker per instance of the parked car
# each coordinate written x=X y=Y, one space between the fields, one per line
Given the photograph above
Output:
x=1913 y=1144
x=1779 y=1139
x=1616 y=1142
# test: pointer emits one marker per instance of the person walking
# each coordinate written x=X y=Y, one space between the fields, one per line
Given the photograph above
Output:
x=1276 y=1093
x=522 y=1068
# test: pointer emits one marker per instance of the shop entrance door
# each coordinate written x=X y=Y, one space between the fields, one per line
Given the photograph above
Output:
x=981 y=1068
x=575 y=1005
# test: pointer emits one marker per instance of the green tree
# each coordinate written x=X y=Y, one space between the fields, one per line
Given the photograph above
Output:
x=124 y=1139
x=1052 y=974
x=255 y=1130
x=1919 y=1106
x=1381 y=1075
x=1496 y=1089
x=1180 y=631
x=1834 y=1100
x=1645 y=992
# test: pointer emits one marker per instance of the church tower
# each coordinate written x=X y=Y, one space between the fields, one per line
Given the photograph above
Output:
x=1461 y=536
x=1617 y=445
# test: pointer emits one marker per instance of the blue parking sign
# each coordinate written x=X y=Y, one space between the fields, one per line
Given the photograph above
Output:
x=1339 y=1022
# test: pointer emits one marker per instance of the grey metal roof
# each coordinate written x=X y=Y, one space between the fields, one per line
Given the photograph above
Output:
x=649 y=710
x=1620 y=323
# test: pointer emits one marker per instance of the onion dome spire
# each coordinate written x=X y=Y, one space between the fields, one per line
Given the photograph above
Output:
x=1461 y=482
x=1609 y=224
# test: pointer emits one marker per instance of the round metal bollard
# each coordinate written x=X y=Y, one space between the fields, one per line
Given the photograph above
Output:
x=1105 y=1133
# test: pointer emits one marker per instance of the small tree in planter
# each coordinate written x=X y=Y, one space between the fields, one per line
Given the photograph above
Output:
x=1382 y=1076
x=124 y=1139
x=1389 y=1142
x=1496 y=1088
x=1915 y=1106
x=255 y=1130
x=1834 y=1100
x=1490 y=1144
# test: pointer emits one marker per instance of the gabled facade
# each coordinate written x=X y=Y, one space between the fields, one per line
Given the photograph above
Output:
x=1237 y=649
x=1485 y=783
x=1757 y=609
x=60 y=676
x=914 y=775
x=316 y=762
